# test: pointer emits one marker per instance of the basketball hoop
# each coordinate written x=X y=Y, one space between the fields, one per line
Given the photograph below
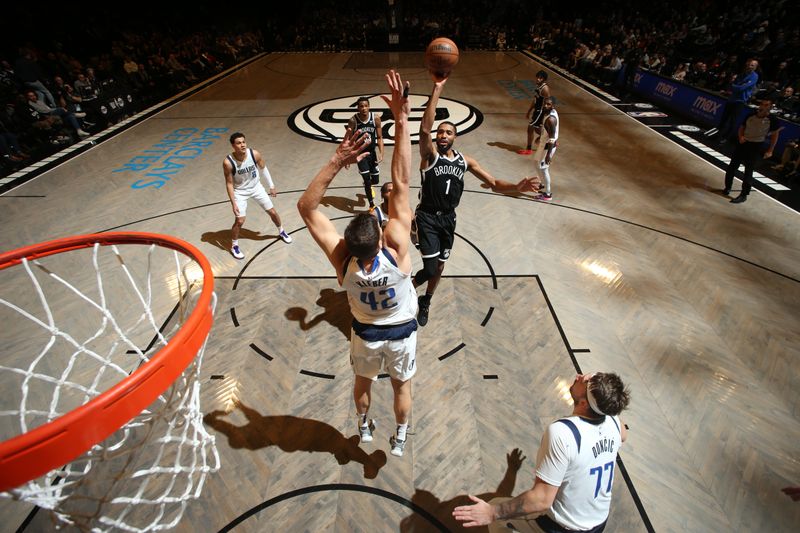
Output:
x=106 y=431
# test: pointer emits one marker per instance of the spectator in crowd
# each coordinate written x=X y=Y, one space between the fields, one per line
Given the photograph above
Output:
x=741 y=89
x=580 y=52
x=790 y=158
x=32 y=76
x=181 y=73
x=788 y=102
x=607 y=74
x=41 y=109
x=84 y=87
x=9 y=145
x=130 y=67
x=681 y=72
x=698 y=75
x=781 y=77
x=9 y=83
x=588 y=59
x=39 y=129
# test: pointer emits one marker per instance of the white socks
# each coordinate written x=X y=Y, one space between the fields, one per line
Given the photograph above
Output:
x=401 y=431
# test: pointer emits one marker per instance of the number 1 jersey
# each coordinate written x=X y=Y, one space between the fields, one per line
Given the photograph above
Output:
x=443 y=183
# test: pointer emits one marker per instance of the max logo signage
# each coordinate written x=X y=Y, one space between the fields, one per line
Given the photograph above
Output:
x=666 y=89
x=707 y=105
x=326 y=121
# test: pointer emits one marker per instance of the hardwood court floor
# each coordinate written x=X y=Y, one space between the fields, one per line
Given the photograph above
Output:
x=638 y=266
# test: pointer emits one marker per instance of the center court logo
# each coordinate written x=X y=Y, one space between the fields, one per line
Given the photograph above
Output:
x=327 y=120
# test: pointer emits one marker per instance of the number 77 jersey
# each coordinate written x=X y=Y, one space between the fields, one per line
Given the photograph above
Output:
x=579 y=455
x=383 y=296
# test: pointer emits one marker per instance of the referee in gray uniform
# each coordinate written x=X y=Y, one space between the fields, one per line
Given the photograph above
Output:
x=756 y=127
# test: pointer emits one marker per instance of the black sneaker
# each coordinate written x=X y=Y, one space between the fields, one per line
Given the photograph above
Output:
x=739 y=199
x=424 y=307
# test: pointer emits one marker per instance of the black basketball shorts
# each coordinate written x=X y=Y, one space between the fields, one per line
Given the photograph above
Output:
x=436 y=233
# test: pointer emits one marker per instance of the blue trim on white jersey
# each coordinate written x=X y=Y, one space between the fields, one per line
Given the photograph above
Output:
x=575 y=432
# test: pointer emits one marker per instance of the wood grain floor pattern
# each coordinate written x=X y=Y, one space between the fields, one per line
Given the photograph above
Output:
x=638 y=266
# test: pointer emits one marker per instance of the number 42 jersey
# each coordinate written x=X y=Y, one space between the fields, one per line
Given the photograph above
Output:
x=383 y=296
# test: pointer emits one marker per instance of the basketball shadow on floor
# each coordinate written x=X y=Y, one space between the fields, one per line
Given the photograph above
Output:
x=443 y=510
x=293 y=434
x=222 y=238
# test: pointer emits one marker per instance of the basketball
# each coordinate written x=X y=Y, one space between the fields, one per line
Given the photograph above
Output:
x=440 y=57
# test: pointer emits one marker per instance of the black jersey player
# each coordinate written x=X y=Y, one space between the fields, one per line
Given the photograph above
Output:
x=442 y=168
x=370 y=124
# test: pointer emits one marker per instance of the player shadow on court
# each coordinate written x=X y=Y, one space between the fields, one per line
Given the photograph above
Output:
x=505 y=146
x=222 y=238
x=348 y=205
x=336 y=312
x=294 y=434
x=443 y=510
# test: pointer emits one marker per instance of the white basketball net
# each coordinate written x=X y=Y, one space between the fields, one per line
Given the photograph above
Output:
x=79 y=338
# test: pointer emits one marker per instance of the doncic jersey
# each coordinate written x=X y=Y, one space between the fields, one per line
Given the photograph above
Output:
x=578 y=456
x=369 y=128
x=384 y=296
x=245 y=173
x=443 y=183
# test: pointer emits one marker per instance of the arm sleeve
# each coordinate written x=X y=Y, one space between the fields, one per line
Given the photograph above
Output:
x=265 y=174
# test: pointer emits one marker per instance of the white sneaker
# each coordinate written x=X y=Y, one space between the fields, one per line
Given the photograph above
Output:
x=285 y=236
x=397 y=446
x=236 y=252
x=365 y=432
x=83 y=134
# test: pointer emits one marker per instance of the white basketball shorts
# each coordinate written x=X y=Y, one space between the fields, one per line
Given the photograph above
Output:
x=397 y=358
x=259 y=194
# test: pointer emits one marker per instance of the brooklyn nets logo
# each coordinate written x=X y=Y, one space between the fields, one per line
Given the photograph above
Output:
x=326 y=121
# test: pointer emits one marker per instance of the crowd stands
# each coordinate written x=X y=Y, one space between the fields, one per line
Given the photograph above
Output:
x=705 y=44
x=51 y=98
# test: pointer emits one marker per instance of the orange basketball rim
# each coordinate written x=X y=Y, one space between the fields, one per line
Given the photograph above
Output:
x=62 y=440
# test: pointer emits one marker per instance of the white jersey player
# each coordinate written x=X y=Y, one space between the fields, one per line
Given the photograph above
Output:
x=243 y=170
x=547 y=147
x=575 y=466
x=374 y=267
